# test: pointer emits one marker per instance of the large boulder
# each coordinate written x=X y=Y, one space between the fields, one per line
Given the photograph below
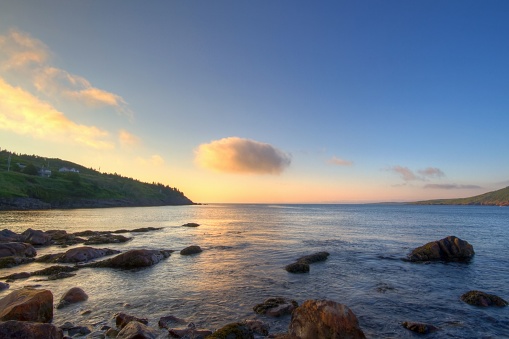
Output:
x=134 y=259
x=478 y=298
x=62 y=238
x=324 y=319
x=72 y=296
x=27 y=304
x=76 y=255
x=36 y=237
x=122 y=319
x=302 y=264
x=8 y=262
x=29 y=330
x=276 y=307
x=233 y=331
x=106 y=238
x=194 y=249
x=17 y=249
x=137 y=330
x=9 y=236
x=447 y=249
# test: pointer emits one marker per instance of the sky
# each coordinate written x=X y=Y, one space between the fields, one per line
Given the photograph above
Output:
x=264 y=101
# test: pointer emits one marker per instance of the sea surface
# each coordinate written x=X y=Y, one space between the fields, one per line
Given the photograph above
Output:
x=246 y=248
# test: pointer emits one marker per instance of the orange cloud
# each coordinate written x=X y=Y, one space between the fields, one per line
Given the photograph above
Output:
x=339 y=162
x=237 y=155
x=25 y=114
x=19 y=50
x=128 y=139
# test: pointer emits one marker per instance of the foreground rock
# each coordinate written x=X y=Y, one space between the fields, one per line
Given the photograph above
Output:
x=27 y=305
x=76 y=255
x=8 y=262
x=137 y=330
x=169 y=321
x=234 y=331
x=302 y=264
x=17 y=249
x=276 y=307
x=106 y=238
x=478 y=298
x=447 y=249
x=194 y=249
x=133 y=259
x=10 y=236
x=324 y=319
x=191 y=224
x=420 y=328
x=36 y=237
x=72 y=296
x=122 y=319
x=189 y=332
x=29 y=330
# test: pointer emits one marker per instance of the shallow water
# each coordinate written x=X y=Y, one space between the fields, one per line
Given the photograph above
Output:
x=247 y=246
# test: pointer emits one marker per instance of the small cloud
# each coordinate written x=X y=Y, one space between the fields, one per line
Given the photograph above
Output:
x=451 y=186
x=432 y=172
x=127 y=139
x=339 y=162
x=237 y=155
x=18 y=51
x=405 y=173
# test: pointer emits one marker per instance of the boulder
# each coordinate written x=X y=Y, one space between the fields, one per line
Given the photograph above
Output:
x=133 y=259
x=9 y=236
x=27 y=304
x=137 y=330
x=191 y=250
x=276 y=307
x=8 y=262
x=324 y=319
x=56 y=269
x=169 y=321
x=72 y=296
x=297 y=267
x=447 y=249
x=420 y=328
x=257 y=326
x=29 y=330
x=191 y=224
x=122 y=319
x=76 y=255
x=36 y=237
x=233 y=331
x=315 y=257
x=478 y=298
x=106 y=238
x=17 y=249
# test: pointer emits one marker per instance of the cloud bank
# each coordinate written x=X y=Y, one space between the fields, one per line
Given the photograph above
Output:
x=339 y=162
x=237 y=155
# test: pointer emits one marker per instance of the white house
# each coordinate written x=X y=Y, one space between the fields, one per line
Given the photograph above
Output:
x=65 y=169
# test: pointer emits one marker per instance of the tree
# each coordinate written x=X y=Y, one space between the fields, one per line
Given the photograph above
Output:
x=30 y=169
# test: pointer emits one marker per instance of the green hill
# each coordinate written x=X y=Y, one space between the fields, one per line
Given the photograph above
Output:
x=22 y=186
x=495 y=198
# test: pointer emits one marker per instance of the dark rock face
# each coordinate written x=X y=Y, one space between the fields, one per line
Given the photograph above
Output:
x=72 y=296
x=8 y=262
x=122 y=319
x=29 y=330
x=234 y=331
x=191 y=250
x=302 y=264
x=447 y=249
x=324 y=319
x=17 y=249
x=9 y=236
x=478 y=298
x=276 y=307
x=134 y=259
x=419 y=327
x=137 y=330
x=27 y=305
x=76 y=255
x=35 y=237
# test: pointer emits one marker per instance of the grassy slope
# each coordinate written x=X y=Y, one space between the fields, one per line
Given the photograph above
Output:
x=496 y=198
x=67 y=188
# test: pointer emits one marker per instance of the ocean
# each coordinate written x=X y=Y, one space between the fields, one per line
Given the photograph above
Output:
x=246 y=247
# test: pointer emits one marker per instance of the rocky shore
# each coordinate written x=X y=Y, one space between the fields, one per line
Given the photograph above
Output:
x=28 y=312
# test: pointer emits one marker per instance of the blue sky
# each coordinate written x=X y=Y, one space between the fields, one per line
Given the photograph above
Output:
x=270 y=101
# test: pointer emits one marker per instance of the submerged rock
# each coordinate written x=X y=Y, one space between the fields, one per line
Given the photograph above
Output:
x=194 y=249
x=17 y=249
x=29 y=330
x=72 y=296
x=133 y=259
x=276 y=307
x=76 y=255
x=478 y=298
x=234 y=331
x=297 y=267
x=56 y=269
x=137 y=330
x=302 y=264
x=324 y=319
x=27 y=304
x=447 y=249
x=191 y=224
x=420 y=328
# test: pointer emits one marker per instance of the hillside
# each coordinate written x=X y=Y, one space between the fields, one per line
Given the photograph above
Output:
x=23 y=186
x=495 y=198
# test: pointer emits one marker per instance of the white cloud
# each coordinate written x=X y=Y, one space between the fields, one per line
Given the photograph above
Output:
x=339 y=162
x=237 y=155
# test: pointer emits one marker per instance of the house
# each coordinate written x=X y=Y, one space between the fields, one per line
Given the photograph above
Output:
x=65 y=169
x=44 y=172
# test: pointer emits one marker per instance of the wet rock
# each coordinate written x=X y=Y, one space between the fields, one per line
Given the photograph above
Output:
x=87 y=233
x=72 y=296
x=106 y=239
x=36 y=237
x=9 y=236
x=315 y=257
x=170 y=321
x=27 y=304
x=478 y=298
x=147 y=229
x=8 y=262
x=122 y=319
x=189 y=332
x=297 y=267
x=133 y=259
x=191 y=224
x=29 y=330
x=79 y=330
x=137 y=330
x=17 y=249
x=17 y=276
x=257 y=326
x=67 y=325
x=324 y=319
x=276 y=307
x=96 y=335
x=191 y=250
x=76 y=255
x=233 y=331
x=111 y=333
x=62 y=238
x=56 y=269
x=447 y=249
x=420 y=328
x=3 y=286
x=59 y=276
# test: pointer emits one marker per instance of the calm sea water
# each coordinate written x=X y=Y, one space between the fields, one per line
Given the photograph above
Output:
x=247 y=246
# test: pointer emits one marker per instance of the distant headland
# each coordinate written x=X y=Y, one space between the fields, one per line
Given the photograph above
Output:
x=495 y=198
x=29 y=182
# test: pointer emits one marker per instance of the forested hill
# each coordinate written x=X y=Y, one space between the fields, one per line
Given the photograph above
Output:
x=34 y=182
x=495 y=198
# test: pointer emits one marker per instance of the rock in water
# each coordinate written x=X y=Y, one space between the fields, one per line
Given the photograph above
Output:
x=72 y=296
x=27 y=304
x=36 y=237
x=29 y=330
x=233 y=331
x=76 y=255
x=191 y=250
x=447 y=249
x=133 y=259
x=478 y=298
x=315 y=257
x=17 y=249
x=276 y=307
x=324 y=319
x=419 y=327
x=122 y=319
x=297 y=267
x=137 y=330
